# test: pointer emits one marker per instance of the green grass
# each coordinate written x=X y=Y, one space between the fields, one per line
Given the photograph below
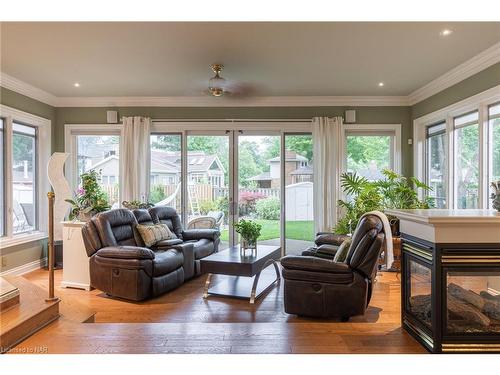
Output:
x=295 y=230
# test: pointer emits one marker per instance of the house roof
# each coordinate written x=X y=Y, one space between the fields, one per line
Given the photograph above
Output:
x=104 y=161
x=295 y=157
x=198 y=161
x=264 y=176
x=164 y=167
x=302 y=171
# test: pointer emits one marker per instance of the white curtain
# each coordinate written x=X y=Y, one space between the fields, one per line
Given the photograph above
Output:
x=327 y=167
x=135 y=154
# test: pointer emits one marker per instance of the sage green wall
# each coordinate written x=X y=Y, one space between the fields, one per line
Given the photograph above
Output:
x=364 y=115
x=22 y=254
x=473 y=85
x=23 y=103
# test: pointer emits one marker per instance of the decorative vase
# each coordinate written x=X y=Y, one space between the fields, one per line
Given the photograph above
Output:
x=495 y=195
x=248 y=244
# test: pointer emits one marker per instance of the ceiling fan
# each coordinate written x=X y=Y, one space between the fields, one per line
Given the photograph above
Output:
x=219 y=86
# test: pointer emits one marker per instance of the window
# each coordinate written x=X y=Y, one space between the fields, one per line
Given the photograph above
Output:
x=368 y=154
x=457 y=151
x=494 y=144
x=436 y=167
x=24 y=186
x=165 y=170
x=467 y=160
x=100 y=153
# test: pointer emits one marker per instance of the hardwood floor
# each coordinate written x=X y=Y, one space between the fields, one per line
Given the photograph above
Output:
x=183 y=322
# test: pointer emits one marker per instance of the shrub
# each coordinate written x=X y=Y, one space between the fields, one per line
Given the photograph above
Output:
x=157 y=194
x=208 y=205
x=247 y=202
x=222 y=204
x=268 y=209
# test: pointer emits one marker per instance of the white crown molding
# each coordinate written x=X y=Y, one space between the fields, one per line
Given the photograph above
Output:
x=472 y=66
x=26 y=89
x=465 y=70
x=206 y=101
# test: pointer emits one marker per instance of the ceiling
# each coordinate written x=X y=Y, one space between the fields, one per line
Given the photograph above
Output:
x=279 y=59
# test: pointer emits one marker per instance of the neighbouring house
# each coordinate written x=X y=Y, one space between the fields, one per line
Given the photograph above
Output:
x=166 y=168
x=202 y=168
x=297 y=169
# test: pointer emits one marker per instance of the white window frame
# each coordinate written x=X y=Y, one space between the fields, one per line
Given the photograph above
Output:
x=43 y=127
x=478 y=102
x=71 y=131
x=373 y=130
x=427 y=160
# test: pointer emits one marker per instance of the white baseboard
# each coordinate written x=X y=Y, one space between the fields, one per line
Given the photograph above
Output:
x=25 y=268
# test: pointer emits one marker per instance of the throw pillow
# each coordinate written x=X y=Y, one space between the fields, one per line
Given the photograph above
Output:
x=152 y=234
x=341 y=254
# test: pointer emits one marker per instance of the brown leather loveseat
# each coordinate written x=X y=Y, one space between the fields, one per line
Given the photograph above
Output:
x=122 y=267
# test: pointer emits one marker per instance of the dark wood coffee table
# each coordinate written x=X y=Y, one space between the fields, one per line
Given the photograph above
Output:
x=241 y=272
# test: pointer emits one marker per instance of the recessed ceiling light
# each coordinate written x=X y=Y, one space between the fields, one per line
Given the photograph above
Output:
x=76 y=84
x=446 y=32
x=381 y=84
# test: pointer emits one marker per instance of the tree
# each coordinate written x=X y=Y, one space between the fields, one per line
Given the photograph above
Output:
x=301 y=144
x=247 y=163
x=22 y=149
x=361 y=150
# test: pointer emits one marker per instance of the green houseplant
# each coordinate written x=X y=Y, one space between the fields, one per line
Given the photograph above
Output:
x=249 y=231
x=89 y=199
x=392 y=192
x=135 y=204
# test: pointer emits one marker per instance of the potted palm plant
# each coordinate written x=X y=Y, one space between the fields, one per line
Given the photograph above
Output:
x=393 y=192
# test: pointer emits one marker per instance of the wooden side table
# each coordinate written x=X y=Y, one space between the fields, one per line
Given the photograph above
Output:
x=76 y=272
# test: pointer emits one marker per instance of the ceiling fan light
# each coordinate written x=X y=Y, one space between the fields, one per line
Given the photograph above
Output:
x=216 y=84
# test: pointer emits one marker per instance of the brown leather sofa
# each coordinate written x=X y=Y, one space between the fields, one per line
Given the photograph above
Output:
x=122 y=267
x=204 y=241
x=316 y=286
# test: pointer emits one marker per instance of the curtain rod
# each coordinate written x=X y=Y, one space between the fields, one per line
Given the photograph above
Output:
x=231 y=120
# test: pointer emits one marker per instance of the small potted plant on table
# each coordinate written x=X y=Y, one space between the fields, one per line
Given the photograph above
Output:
x=249 y=231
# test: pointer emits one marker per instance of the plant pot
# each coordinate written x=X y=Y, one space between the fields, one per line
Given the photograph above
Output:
x=250 y=245
x=85 y=216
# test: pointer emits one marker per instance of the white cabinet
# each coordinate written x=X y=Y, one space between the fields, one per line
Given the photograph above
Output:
x=76 y=262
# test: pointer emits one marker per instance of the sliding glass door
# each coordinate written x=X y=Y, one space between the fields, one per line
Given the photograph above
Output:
x=259 y=183
x=215 y=178
x=298 y=191
x=208 y=193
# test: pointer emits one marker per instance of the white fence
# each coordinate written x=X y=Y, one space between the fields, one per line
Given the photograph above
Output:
x=299 y=202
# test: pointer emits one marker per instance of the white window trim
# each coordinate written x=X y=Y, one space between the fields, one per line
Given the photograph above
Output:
x=70 y=133
x=43 y=126
x=478 y=102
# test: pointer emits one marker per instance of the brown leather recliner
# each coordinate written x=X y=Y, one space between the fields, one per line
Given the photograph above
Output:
x=122 y=267
x=319 y=287
x=327 y=244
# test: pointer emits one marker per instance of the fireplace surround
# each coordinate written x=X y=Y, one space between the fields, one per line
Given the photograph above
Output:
x=450 y=295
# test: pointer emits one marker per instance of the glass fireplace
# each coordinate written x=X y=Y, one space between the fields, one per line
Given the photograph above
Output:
x=419 y=291
x=472 y=301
